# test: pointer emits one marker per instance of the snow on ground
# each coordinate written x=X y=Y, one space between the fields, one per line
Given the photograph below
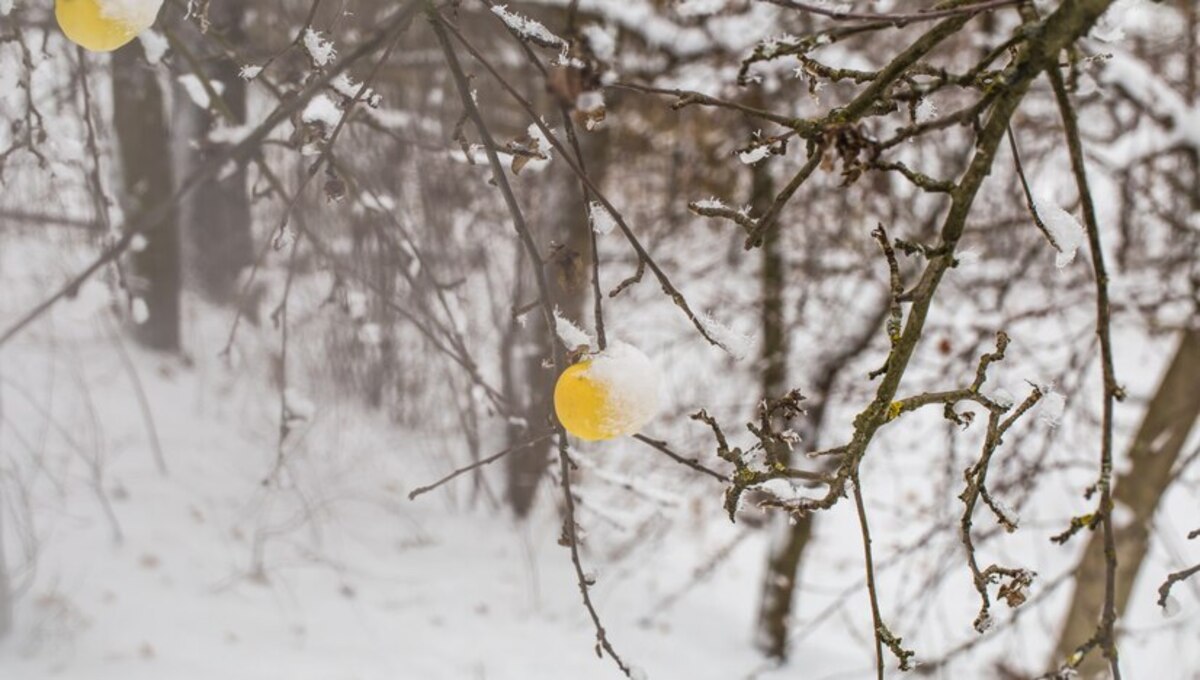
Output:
x=356 y=582
x=331 y=573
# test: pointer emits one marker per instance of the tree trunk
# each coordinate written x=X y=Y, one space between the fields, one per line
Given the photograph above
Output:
x=788 y=538
x=142 y=144
x=563 y=231
x=1156 y=447
x=215 y=216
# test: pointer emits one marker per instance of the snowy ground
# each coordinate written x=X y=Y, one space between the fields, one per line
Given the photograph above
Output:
x=357 y=581
x=331 y=573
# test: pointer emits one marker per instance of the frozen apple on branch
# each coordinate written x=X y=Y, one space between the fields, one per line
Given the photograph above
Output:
x=105 y=25
x=608 y=394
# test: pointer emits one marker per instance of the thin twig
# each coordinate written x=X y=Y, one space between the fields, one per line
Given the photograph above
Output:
x=1112 y=392
x=479 y=464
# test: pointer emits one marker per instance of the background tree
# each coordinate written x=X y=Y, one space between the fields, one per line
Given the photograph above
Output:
x=215 y=216
x=143 y=148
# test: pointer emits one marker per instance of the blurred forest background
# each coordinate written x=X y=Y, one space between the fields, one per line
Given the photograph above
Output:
x=272 y=266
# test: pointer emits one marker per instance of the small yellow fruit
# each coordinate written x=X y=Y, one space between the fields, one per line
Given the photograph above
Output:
x=104 y=25
x=584 y=405
x=614 y=393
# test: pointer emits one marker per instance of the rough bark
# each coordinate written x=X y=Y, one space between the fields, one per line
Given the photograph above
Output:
x=1170 y=417
x=142 y=140
x=215 y=217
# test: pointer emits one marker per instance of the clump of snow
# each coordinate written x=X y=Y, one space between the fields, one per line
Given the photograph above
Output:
x=592 y=100
x=346 y=86
x=926 y=110
x=194 y=87
x=571 y=335
x=602 y=40
x=139 y=311
x=539 y=139
x=527 y=28
x=633 y=384
x=783 y=490
x=154 y=45
x=754 y=154
x=320 y=49
x=1065 y=231
x=322 y=110
x=602 y=221
x=1053 y=406
x=6 y=6
x=738 y=345
x=250 y=72
x=711 y=204
x=1003 y=398
x=137 y=13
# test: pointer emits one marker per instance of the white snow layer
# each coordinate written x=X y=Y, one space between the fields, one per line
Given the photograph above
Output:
x=633 y=383
x=322 y=110
x=153 y=44
x=572 y=335
x=319 y=49
x=754 y=154
x=526 y=27
x=1064 y=229
x=1053 y=406
x=602 y=222
x=137 y=13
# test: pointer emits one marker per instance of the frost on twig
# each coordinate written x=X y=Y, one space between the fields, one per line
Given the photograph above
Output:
x=319 y=48
x=529 y=29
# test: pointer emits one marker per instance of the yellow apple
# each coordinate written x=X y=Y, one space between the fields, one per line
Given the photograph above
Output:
x=104 y=25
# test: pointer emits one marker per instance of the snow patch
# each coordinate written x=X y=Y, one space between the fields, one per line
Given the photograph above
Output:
x=194 y=87
x=323 y=111
x=754 y=154
x=138 y=13
x=1053 y=407
x=154 y=45
x=1065 y=230
x=571 y=335
x=527 y=28
x=738 y=345
x=602 y=221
